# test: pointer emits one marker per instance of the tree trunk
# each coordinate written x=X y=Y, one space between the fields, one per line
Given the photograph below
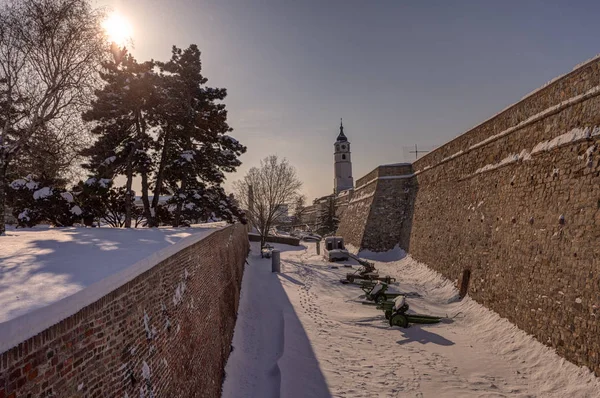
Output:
x=3 y=188
x=129 y=173
x=145 y=199
x=263 y=240
x=159 y=178
x=177 y=216
x=264 y=232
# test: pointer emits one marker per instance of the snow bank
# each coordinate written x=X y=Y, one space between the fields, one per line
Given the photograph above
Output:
x=388 y=256
x=49 y=274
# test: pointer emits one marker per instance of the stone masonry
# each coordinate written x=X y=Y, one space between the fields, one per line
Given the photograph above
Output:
x=166 y=333
x=515 y=203
x=379 y=210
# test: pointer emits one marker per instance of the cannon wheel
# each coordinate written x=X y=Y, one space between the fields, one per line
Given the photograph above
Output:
x=399 y=320
x=388 y=313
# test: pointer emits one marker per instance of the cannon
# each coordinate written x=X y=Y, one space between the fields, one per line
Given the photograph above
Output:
x=367 y=271
x=378 y=292
x=399 y=317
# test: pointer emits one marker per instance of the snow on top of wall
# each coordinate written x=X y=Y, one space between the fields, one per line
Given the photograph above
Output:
x=512 y=158
x=402 y=177
x=532 y=119
x=537 y=117
x=574 y=135
x=396 y=164
x=52 y=273
x=345 y=192
x=457 y=154
x=578 y=66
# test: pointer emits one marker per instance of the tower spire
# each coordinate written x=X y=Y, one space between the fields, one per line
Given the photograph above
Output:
x=341 y=136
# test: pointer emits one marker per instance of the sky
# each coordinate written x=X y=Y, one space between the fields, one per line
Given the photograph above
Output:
x=399 y=73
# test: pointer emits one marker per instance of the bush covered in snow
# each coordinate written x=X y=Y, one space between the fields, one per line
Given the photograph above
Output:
x=201 y=204
x=100 y=201
x=36 y=200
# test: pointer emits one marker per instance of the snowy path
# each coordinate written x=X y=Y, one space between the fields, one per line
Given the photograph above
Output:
x=303 y=334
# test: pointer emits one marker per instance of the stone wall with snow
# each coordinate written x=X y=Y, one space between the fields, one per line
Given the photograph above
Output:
x=379 y=212
x=166 y=333
x=516 y=201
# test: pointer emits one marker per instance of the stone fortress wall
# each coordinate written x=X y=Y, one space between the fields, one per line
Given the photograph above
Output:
x=165 y=333
x=514 y=203
x=375 y=215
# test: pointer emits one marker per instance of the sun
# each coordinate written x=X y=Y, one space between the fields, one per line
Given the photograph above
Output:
x=118 y=29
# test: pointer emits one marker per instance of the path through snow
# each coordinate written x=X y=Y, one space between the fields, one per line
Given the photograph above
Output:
x=303 y=334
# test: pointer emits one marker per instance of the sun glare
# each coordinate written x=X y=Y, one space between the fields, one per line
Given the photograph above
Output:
x=118 y=29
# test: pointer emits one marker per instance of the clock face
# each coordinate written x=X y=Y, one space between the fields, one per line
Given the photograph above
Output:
x=343 y=146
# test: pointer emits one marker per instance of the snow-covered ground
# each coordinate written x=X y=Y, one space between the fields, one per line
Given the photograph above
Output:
x=302 y=333
x=43 y=265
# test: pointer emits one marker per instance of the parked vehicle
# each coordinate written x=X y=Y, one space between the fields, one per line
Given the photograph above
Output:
x=334 y=249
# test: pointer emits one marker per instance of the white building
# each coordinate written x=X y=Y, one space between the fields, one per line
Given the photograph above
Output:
x=342 y=163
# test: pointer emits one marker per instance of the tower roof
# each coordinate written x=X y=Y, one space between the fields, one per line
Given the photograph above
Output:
x=341 y=136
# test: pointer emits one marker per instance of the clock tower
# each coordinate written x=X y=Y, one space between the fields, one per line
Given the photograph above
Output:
x=342 y=163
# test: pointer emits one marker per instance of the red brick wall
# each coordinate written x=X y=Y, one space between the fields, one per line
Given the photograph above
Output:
x=190 y=300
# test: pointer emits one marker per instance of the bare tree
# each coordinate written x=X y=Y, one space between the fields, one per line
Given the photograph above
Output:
x=265 y=191
x=50 y=51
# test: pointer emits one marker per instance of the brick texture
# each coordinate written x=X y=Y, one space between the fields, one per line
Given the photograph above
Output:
x=167 y=333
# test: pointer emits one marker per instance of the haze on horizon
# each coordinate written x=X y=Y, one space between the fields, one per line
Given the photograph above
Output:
x=398 y=73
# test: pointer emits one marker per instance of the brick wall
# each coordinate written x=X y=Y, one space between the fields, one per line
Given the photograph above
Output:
x=166 y=333
x=286 y=240
x=516 y=201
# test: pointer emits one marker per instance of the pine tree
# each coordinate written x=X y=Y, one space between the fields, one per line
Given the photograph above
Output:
x=328 y=220
x=122 y=113
x=195 y=150
x=10 y=113
x=36 y=200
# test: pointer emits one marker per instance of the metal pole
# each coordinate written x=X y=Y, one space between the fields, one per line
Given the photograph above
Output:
x=275 y=261
x=318 y=247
